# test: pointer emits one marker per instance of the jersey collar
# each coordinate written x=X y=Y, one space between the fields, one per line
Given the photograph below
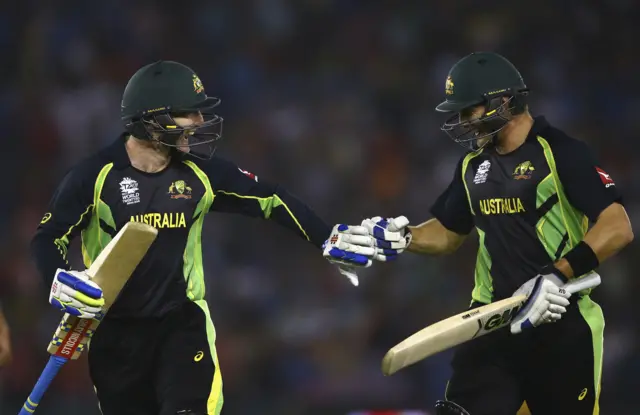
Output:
x=540 y=124
x=119 y=152
x=120 y=157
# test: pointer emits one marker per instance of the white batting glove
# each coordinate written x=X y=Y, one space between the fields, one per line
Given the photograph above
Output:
x=546 y=301
x=72 y=292
x=350 y=248
x=390 y=236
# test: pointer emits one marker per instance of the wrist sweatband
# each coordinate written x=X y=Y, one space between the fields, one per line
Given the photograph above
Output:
x=551 y=269
x=582 y=259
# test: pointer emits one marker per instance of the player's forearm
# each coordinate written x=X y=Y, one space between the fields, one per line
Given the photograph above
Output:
x=5 y=341
x=241 y=192
x=273 y=202
x=4 y=326
x=432 y=238
x=47 y=256
x=610 y=234
x=3 y=322
x=294 y=214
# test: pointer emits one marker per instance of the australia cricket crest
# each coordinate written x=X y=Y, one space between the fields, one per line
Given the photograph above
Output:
x=180 y=190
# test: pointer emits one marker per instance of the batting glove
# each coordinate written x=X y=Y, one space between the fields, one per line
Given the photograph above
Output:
x=390 y=236
x=546 y=300
x=72 y=292
x=350 y=248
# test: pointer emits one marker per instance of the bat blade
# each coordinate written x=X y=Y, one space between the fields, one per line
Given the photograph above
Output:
x=451 y=332
x=117 y=261
x=111 y=271
x=464 y=327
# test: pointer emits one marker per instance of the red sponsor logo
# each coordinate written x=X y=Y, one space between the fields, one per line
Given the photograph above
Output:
x=73 y=338
x=334 y=239
x=249 y=174
x=604 y=177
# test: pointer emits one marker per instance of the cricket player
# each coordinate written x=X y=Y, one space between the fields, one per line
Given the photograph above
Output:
x=5 y=341
x=546 y=211
x=154 y=351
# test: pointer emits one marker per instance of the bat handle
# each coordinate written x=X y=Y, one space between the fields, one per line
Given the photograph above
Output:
x=49 y=372
x=591 y=280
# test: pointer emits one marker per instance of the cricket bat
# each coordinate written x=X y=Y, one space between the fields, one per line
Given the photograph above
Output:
x=464 y=327
x=110 y=270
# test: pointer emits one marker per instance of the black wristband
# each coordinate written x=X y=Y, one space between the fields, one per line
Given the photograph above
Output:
x=552 y=269
x=582 y=259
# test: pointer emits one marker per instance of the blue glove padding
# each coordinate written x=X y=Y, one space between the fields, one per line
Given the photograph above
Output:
x=72 y=292
x=391 y=236
x=348 y=257
x=349 y=247
x=80 y=285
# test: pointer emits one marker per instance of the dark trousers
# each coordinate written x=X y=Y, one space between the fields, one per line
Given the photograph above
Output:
x=556 y=367
x=157 y=366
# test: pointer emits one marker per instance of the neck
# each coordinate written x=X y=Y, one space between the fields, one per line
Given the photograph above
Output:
x=147 y=156
x=514 y=134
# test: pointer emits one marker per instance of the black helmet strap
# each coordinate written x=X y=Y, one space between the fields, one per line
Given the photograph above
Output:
x=519 y=101
x=138 y=129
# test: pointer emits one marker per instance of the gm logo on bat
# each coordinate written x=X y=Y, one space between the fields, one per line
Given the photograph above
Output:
x=496 y=320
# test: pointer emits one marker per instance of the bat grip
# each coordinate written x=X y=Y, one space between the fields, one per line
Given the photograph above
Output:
x=591 y=280
x=49 y=372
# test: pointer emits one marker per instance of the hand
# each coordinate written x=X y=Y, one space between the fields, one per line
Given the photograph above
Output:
x=349 y=247
x=546 y=300
x=391 y=236
x=5 y=342
x=73 y=293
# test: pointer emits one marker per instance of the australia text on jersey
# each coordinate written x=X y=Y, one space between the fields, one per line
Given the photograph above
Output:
x=500 y=206
x=162 y=220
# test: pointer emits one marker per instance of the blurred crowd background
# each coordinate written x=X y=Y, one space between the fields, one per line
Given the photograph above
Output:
x=334 y=99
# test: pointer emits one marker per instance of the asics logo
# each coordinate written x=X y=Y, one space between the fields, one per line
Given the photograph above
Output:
x=582 y=394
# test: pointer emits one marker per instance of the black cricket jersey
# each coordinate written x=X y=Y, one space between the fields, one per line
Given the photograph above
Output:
x=100 y=195
x=530 y=207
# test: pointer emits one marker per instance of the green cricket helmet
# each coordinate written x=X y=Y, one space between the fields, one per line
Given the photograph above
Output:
x=481 y=78
x=160 y=91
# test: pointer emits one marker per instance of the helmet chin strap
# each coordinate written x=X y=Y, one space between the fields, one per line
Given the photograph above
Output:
x=192 y=150
x=487 y=140
x=168 y=145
